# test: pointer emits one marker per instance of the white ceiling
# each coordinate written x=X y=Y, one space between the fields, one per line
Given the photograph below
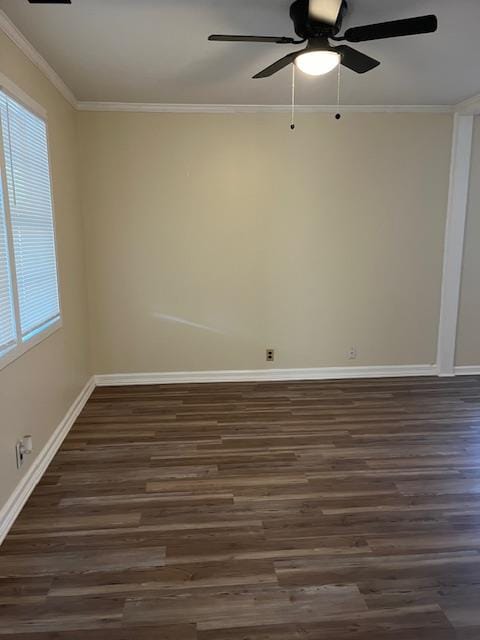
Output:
x=157 y=51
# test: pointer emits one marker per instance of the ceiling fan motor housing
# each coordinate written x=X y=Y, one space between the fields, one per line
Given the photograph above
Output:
x=307 y=28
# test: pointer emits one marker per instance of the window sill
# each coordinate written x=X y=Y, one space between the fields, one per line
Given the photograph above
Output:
x=20 y=349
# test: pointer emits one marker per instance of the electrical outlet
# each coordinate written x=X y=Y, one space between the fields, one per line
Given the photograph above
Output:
x=19 y=454
x=352 y=354
x=270 y=355
x=23 y=448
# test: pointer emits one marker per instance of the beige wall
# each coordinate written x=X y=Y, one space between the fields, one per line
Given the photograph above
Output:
x=468 y=337
x=37 y=389
x=213 y=237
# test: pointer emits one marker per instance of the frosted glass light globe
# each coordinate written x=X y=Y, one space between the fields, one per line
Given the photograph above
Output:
x=317 y=63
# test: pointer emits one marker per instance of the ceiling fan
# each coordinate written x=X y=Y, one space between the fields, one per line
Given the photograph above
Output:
x=319 y=21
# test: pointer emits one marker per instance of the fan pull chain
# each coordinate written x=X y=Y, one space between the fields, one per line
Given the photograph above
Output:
x=338 y=115
x=292 y=123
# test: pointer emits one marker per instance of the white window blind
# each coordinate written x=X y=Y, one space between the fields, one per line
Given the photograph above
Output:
x=26 y=162
x=8 y=336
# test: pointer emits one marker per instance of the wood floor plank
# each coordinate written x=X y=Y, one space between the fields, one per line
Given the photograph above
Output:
x=115 y=632
x=407 y=623
x=36 y=564
x=247 y=607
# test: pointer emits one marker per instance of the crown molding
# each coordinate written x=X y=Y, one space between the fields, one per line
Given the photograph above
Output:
x=146 y=107
x=469 y=107
x=7 y=26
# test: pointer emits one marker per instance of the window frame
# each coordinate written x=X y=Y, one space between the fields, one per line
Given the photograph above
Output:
x=21 y=347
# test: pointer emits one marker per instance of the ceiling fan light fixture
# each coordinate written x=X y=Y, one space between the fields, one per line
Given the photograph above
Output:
x=317 y=63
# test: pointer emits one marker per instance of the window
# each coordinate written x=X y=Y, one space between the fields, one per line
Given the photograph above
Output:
x=29 y=300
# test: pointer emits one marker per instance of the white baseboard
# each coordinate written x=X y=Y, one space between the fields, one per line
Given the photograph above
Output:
x=468 y=371
x=15 y=503
x=265 y=375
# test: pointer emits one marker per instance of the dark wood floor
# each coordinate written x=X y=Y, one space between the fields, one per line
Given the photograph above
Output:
x=280 y=511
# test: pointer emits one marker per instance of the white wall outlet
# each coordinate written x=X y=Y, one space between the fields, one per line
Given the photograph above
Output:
x=352 y=353
x=270 y=355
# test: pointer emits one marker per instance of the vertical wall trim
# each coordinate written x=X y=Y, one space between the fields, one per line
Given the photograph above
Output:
x=454 y=242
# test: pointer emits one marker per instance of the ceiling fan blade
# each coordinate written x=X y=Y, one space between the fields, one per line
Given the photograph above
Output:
x=355 y=60
x=278 y=65
x=395 y=29
x=272 y=39
x=324 y=10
